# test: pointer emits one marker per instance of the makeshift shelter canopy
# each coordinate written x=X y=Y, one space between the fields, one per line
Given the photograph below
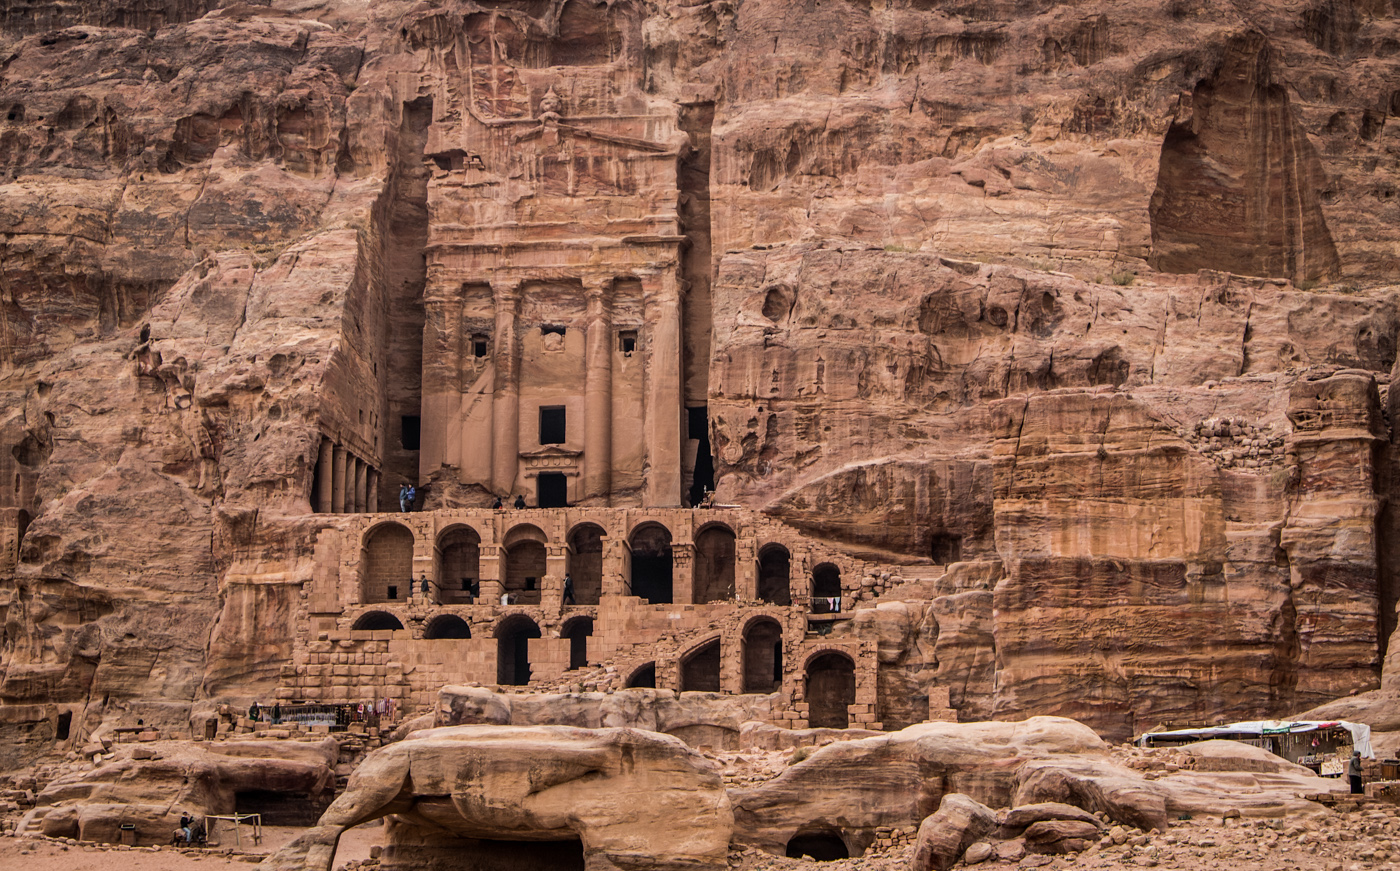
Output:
x=1360 y=732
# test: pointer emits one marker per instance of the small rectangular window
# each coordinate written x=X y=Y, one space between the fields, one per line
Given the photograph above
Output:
x=552 y=425
x=478 y=346
x=393 y=592
x=466 y=585
x=529 y=583
x=410 y=431
x=627 y=342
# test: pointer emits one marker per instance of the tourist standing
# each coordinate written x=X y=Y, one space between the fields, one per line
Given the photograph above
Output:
x=568 y=598
x=1354 y=772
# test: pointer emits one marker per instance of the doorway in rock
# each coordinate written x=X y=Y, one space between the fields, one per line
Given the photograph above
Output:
x=763 y=656
x=552 y=490
x=439 y=851
x=513 y=650
x=775 y=575
x=651 y=564
x=823 y=846
x=578 y=631
x=586 y=563
x=831 y=687
x=713 y=565
x=700 y=669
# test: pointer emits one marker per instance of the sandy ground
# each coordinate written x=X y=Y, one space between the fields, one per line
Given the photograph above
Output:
x=1364 y=840
x=43 y=854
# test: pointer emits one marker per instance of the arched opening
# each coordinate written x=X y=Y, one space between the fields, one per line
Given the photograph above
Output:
x=826 y=589
x=513 y=650
x=823 y=846
x=447 y=626
x=377 y=621
x=831 y=686
x=578 y=631
x=651 y=563
x=763 y=656
x=700 y=669
x=526 y=564
x=644 y=677
x=386 y=564
x=586 y=563
x=714 y=565
x=22 y=521
x=775 y=575
x=458 y=565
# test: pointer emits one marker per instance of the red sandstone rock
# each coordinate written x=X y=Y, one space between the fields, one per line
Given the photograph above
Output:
x=947 y=832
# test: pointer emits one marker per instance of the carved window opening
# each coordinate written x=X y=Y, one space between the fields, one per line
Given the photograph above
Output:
x=775 y=575
x=479 y=346
x=553 y=425
x=393 y=592
x=826 y=589
x=627 y=342
x=513 y=650
x=552 y=329
x=643 y=678
x=586 y=563
x=700 y=670
x=714 y=565
x=763 y=656
x=65 y=723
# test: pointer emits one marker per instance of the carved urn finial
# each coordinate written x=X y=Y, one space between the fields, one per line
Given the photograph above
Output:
x=550 y=105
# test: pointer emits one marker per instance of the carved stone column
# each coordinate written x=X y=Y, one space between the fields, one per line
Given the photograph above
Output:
x=506 y=396
x=338 y=481
x=661 y=299
x=324 y=476
x=372 y=490
x=597 y=415
x=361 y=486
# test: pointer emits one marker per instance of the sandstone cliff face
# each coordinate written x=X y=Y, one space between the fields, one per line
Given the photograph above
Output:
x=912 y=316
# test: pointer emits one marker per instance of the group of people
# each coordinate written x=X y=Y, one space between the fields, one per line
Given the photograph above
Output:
x=408 y=499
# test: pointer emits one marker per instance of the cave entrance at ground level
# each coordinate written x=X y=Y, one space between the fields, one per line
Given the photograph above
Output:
x=775 y=575
x=643 y=678
x=651 y=564
x=700 y=669
x=513 y=650
x=283 y=808
x=763 y=656
x=831 y=686
x=578 y=632
x=586 y=563
x=823 y=846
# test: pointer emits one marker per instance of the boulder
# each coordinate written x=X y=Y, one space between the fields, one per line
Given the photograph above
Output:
x=531 y=796
x=1061 y=836
x=1017 y=819
x=978 y=853
x=958 y=824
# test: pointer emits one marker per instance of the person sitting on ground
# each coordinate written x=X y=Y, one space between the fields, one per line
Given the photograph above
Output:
x=520 y=501
x=498 y=505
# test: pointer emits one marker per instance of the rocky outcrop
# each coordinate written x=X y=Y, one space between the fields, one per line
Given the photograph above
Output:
x=150 y=785
x=945 y=834
x=601 y=799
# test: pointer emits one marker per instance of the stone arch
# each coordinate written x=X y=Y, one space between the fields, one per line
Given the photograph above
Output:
x=578 y=631
x=775 y=574
x=376 y=621
x=586 y=562
x=643 y=676
x=714 y=564
x=700 y=668
x=826 y=588
x=513 y=636
x=763 y=655
x=651 y=563
x=457 y=563
x=830 y=687
x=386 y=563
x=527 y=561
x=447 y=626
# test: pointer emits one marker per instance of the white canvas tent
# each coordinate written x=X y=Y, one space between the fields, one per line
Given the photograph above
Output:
x=1256 y=729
